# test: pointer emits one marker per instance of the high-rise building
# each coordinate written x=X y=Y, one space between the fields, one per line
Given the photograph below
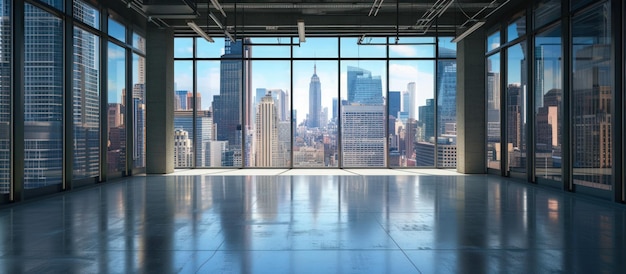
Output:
x=180 y=100
x=394 y=103
x=412 y=102
x=227 y=105
x=427 y=120
x=182 y=149
x=446 y=91
x=266 y=133
x=363 y=135
x=204 y=132
x=363 y=88
x=335 y=108
x=5 y=96
x=315 y=100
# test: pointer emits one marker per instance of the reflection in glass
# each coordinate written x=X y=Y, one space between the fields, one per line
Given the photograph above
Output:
x=546 y=11
x=315 y=110
x=516 y=89
x=268 y=133
x=139 y=42
x=86 y=14
x=411 y=136
x=86 y=104
x=363 y=114
x=548 y=98
x=6 y=49
x=493 y=41
x=117 y=30
x=139 y=107
x=516 y=29
x=592 y=91
x=43 y=104
x=493 y=112
x=116 y=109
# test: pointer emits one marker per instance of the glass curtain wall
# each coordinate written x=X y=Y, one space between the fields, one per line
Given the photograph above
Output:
x=139 y=103
x=6 y=51
x=116 y=109
x=516 y=107
x=591 y=98
x=411 y=136
x=494 y=145
x=43 y=104
x=548 y=101
x=331 y=88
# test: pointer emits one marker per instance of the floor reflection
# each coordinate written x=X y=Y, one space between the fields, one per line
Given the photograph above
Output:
x=287 y=224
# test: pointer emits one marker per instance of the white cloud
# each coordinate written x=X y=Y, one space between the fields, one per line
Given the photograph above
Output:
x=403 y=50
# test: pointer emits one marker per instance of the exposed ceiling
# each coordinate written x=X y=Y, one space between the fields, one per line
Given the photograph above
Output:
x=321 y=18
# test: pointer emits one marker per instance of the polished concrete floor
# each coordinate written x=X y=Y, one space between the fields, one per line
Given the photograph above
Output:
x=316 y=221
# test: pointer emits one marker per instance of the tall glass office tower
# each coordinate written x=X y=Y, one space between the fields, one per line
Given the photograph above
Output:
x=43 y=103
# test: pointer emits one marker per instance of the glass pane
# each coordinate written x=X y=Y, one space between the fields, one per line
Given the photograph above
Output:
x=183 y=47
x=227 y=117
x=446 y=113
x=370 y=47
x=139 y=111
x=447 y=49
x=516 y=105
x=516 y=29
x=117 y=30
x=493 y=112
x=315 y=47
x=592 y=92
x=55 y=3
x=139 y=42
x=412 y=47
x=546 y=11
x=363 y=111
x=315 y=85
x=411 y=125
x=43 y=88
x=575 y=4
x=86 y=104
x=209 y=152
x=116 y=144
x=6 y=48
x=86 y=14
x=493 y=41
x=183 y=114
x=204 y=49
x=268 y=47
x=548 y=99
x=268 y=131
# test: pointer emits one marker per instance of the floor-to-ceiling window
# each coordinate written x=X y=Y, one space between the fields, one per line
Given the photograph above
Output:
x=86 y=94
x=315 y=104
x=139 y=101
x=548 y=104
x=494 y=145
x=516 y=97
x=6 y=51
x=591 y=98
x=116 y=101
x=43 y=102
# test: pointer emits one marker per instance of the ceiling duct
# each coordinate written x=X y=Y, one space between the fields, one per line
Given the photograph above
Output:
x=170 y=9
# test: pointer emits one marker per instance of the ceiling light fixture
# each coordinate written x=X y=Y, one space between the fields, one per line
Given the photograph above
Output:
x=218 y=7
x=301 y=31
x=199 y=31
x=217 y=22
x=468 y=31
x=375 y=7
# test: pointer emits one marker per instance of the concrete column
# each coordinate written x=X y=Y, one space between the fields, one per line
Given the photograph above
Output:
x=470 y=101
x=159 y=100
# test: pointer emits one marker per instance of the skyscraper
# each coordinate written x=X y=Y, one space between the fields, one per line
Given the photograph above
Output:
x=266 y=133
x=363 y=134
x=43 y=90
x=363 y=88
x=427 y=120
x=315 y=100
x=394 y=103
x=227 y=105
x=5 y=95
